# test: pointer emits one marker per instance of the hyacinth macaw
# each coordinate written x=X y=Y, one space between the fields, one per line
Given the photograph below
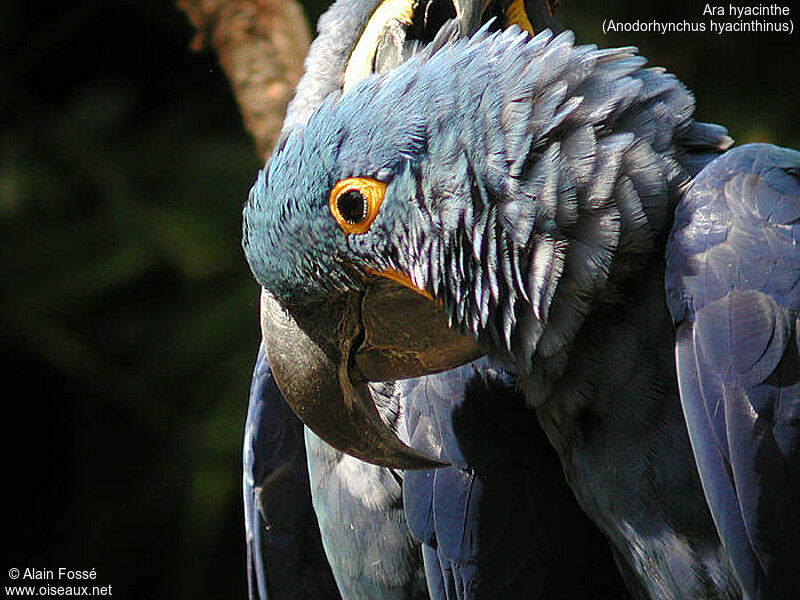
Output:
x=514 y=275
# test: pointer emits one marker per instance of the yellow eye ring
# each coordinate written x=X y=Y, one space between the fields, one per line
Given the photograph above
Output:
x=354 y=203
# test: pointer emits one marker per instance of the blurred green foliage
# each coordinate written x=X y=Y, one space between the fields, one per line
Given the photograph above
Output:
x=128 y=317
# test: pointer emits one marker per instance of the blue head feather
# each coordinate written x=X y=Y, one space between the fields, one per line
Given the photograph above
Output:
x=293 y=244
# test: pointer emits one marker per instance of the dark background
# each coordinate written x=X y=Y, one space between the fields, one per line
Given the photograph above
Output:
x=128 y=318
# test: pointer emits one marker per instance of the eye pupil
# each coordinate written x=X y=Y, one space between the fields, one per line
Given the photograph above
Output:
x=354 y=203
x=352 y=206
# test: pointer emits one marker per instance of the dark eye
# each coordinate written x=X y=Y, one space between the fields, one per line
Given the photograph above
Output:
x=352 y=206
x=354 y=203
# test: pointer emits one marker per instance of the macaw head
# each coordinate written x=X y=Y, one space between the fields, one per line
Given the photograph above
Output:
x=470 y=201
x=328 y=231
x=320 y=225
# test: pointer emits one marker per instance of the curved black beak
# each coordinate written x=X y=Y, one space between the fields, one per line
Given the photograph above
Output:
x=323 y=355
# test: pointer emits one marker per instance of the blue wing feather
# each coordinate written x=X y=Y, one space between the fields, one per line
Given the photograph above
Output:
x=733 y=285
x=359 y=509
x=284 y=551
x=347 y=506
x=500 y=522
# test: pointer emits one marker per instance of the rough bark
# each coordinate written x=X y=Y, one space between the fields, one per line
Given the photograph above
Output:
x=261 y=45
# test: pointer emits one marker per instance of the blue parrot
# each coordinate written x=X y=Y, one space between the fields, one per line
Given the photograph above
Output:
x=353 y=525
x=464 y=258
x=282 y=564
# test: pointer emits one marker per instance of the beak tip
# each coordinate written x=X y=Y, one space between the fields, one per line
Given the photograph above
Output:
x=389 y=452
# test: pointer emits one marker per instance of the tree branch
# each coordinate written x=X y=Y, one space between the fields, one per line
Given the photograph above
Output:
x=261 y=45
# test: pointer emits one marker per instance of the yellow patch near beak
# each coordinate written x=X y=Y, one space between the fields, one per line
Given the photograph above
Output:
x=516 y=15
x=400 y=278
